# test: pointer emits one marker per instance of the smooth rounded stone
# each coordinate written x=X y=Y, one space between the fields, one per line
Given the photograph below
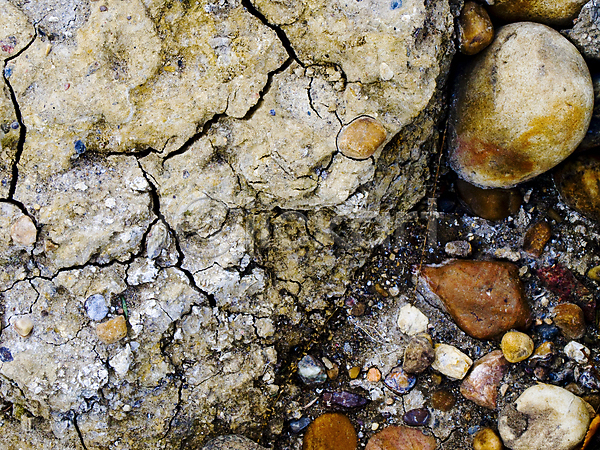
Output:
x=594 y=273
x=578 y=181
x=451 y=362
x=491 y=289
x=361 y=138
x=330 y=431
x=577 y=352
x=354 y=372
x=401 y=438
x=373 y=375
x=487 y=439
x=232 y=442
x=456 y=249
x=418 y=355
x=412 y=321
x=96 y=307
x=344 y=399
x=416 y=417
x=551 y=12
x=516 y=346
x=23 y=326
x=490 y=204
x=544 y=417
x=481 y=385
x=442 y=400
x=112 y=330
x=569 y=318
x=399 y=381
x=311 y=370
x=475 y=29
x=23 y=231
x=536 y=238
x=521 y=107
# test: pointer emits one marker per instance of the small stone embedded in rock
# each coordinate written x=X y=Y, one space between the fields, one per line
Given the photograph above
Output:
x=416 y=417
x=577 y=352
x=570 y=320
x=23 y=326
x=5 y=355
x=544 y=417
x=361 y=138
x=419 y=354
x=521 y=107
x=481 y=385
x=399 y=381
x=485 y=298
x=373 y=375
x=594 y=273
x=412 y=321
x=401 y=438
x=442 y=400
x=232 y=442
x=23 y=231
x=311 y=370
x=96 y=308
x=112 y=330
x=457 y=249
x=516 y=346
x=451 y=362
x=354 y=372
x=487 y=439
x=489 y=204
x=475 y=29
x=536 y=238
x=555 y=12
x=344 y=399
x=577 y=181
x=330 y=431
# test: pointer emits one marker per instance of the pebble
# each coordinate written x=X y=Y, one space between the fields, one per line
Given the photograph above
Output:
x=547 y=332
x=577 y=182
x=460 y=249
x=522 y=106
x=481 y=385
x=489 y=204
x=577 y=352
x=361 y=138
x=594 y=273
x=475 y=29
x=344 y=399
x=311 y=370
x=331 y=431
x=96 y=308
x=544 y=417
x=23 y=231
x=296 y=426
x=373 y=375
x=442 y=400
x=401 y=438
x=412 y=321
x=451 y=362
x=487 y=439
x=23 y=326
x=112 y=330
x=492 y=289
x=399 y=381
x=419 y=354
x=569 y=318
x=416 y=417
x=555 y=12
x=354 y=372
x=516 y=346
x=536 y=238
x=232 y=442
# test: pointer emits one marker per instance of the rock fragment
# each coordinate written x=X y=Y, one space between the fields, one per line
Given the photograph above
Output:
x=451 y=362
x=400 y=438
x=569 y=318
x=536 y=238
x=330 y=431
x=481 y=385
x=311 y=370
x=577 y=352
x=96 y=307
x=23 y=326
x=412 y=321
x=419 y=354
x=232 y=442
x=23 y=231
x=361 y=138
x=487 y=439
x=373 y=375
x=516 y=346
x=556 y=12
x=475 y=29
x=490 y=204
x=344 y=399
x=458 y=249
x=442 y=400
x=112 y=330
x=484 y=298
x=577 y=181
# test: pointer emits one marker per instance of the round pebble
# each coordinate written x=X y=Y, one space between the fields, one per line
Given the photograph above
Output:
x=487 y=439
x=23 y=326
x=112 y=330
x=373 y=375
x=416 y=417
x=522 y=106
x=361 y=138
x=332 y=431
x=23 y=231
x=570 y=320
x=311 y=370
x=553 y=12
x=96 y=308
x=516 y=346
x=475 y=29
x=401 y=438
x=442 y=400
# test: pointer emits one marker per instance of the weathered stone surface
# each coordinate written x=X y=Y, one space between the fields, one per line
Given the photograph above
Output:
x=475 y=29
x=502 y=127
x=577 y=181
x=232 y=442
x=481 y=385
x=556 y=12
x=585 y=33
x=484 y=298
x=14 y=258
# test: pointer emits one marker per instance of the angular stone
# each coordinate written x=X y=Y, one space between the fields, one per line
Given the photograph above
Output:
x=585 y=34
x=475 y=29
x=556 y=12
x=112 y=330
x=516 y=346
x=569 y=318
x=361 y=138
x=23 y=325
x=490 y=204
x=401 y=438
x=481 y=385
x=23 y=231
x=411 y=320
x=330 y=431
x=536 y=238
x=451 y=362
x=416 y=417
x=577 y=181
x=419 y=354
x=578 y=352
x=484 y=298
x=522 y=106
x=311 y=370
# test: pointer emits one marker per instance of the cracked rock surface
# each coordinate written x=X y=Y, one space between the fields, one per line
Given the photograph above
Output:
x=178 y=160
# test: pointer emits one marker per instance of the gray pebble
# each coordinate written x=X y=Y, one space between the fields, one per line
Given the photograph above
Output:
x=311 y=370
x=96 y=308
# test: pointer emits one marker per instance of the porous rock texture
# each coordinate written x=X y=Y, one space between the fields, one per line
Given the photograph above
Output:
x=179 y=158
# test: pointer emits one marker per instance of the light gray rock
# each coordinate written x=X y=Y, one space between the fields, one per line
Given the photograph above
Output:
x=232 y=442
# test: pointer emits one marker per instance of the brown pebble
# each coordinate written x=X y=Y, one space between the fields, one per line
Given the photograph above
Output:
x=577 y=180
x=492 y=289
x=401 y=438
x=330 y=431
x=442 y=400
x=569 y=318
x=490 y=204
x=358 y=309
x=354 y=372
x=436 y=379
x=361 y=137
x=419 y=355
x=332 y=374
x=373 y=375
x=487 y=439
x=23 y=231
x=112 y=330
x=481 y=385
x=555 y=12
x=381 y=291
x=593 y=400
x=475 y=29
x=536 y=238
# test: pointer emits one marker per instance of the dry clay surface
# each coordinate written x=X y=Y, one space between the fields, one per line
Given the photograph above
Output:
x=178 y=160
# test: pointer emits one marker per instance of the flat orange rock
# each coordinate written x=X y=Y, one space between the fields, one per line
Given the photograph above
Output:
x=330 y=431
x=401 y=438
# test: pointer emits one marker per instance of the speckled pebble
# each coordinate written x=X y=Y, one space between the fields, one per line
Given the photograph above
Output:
x=96 y=308
x=442 y=400
x=399 y=381
x=451 y=362
x=23 y=326
x=516 y=346
x=401 y=438
x=411 y=320
x=112 y=330
x=481 y=385
x=330 y=431
x=419 y=354
x=232 y=442
x=460 y=249
x=569 y=318
x=361 y=138
x=23 y=231
x=487 y=439
x=311 y=370
x=475 y=29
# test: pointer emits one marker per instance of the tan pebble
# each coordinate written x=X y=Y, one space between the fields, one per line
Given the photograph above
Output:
x=487 y=439
x=569 y=318
x=536 y=238
x=23 y=325
x=332 y=374
x=594 y=273
x=354 y=372
x=361 y=137
x=23 y=231
x=330 y=431
x=112 y=330
x=373 y=375
x=475 y=29
x=516 y=346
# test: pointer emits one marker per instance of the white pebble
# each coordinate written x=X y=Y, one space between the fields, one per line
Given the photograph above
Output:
x=577 y=352
x=23 y=325
x=412 y=321
x=451 y=362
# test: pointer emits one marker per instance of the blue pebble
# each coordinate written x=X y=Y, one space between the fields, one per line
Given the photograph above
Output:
x=396 y=4
x=298 y=425
x=272 y=112
x=5 y=355
x=79 y=147
x=96 y=307
x=547 y=332
x=7 y=72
